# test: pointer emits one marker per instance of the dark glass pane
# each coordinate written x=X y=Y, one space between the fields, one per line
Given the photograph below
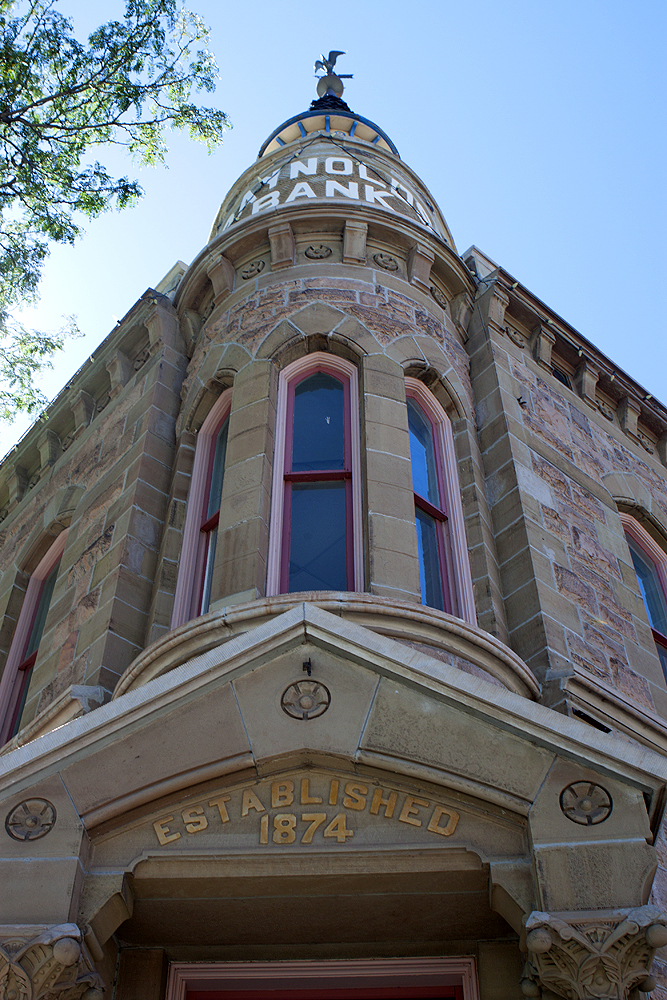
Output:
x=317 y=540
x=429 y=560
x=422 y=455
x=318 y=431
x=662 y=653
x=649 y=584
x=218 y=471
x=212 y=541
x=42 y=611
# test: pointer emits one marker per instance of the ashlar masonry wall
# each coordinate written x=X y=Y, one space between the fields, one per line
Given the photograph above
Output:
x=111 y=488
x=558 y=470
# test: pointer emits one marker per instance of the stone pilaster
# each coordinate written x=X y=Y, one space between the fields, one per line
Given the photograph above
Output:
x=283 y=251
x=586 y=379
x=49 y=448
x=46 y=962
x=83 y=409
x=120 y=370
x=17 y=483
x=222 y=274
x=354 y=242
x=420 y=261
x=628 y=413
x=604 y=954
x=543 y=346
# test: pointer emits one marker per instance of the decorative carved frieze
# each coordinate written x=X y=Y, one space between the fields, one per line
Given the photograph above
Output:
x=39 y=962
x=604 y=954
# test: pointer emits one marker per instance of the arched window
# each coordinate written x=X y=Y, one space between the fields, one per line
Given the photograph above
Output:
x=25 y=644
x=444 y=569
x=316 y=511
x=200 y=534
x=650 y=563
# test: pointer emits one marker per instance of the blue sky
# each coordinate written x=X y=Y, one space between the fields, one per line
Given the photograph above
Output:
x=538 y=127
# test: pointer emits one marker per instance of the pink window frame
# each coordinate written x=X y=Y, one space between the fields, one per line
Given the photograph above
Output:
x=310 y=977
x=290 y=377
x=452 y=544
x=655 y=555
x=18 y=669
x=190 y=581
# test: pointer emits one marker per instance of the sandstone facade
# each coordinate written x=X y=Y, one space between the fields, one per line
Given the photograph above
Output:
x=346 y=787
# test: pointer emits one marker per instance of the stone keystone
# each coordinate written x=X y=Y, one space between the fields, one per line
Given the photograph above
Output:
x=605 y=954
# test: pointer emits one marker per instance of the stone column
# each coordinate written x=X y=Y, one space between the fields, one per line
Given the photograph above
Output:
x=603 y=954
x=46 y=962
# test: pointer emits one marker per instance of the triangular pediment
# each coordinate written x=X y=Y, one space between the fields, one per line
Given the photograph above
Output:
x=248 y=708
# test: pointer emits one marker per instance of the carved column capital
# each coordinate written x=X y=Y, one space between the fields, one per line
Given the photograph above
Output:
x=46 y=962
x=605 y=954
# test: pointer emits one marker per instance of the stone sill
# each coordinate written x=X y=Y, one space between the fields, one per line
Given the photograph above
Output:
x=400 y=620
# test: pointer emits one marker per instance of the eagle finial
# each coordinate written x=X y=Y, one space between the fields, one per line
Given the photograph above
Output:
x=331 y=82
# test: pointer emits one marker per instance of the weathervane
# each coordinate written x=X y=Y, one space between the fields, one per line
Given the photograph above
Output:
x=332 y=83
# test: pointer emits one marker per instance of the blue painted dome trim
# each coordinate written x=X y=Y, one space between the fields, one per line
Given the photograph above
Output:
x=317 y=113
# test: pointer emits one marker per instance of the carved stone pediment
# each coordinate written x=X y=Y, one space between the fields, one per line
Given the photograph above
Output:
x=40 y=962
x=604 y=954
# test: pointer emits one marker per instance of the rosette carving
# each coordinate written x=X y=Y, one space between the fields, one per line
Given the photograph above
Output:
x=598 y=954
x=46 y=963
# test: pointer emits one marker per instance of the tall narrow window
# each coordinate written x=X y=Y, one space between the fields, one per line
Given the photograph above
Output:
x=200 y=534
x=25 y=644
x=430 y=514
x=650 y=563
x=316 y=506
x=443 y=558
x=211 y=515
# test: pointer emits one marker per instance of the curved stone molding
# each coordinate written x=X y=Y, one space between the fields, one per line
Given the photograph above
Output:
x=40 y=962
x=599 y=953
x=401 y=620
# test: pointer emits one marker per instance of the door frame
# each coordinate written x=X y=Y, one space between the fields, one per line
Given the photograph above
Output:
x=332 y=975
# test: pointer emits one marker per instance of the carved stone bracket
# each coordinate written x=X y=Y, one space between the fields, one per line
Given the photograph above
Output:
x=39 y=962
x=605 y=954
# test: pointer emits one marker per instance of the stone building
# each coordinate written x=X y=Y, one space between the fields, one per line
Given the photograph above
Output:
x=333 y=623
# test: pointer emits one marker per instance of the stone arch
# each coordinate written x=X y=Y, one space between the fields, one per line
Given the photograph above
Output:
x=56 y=518
x=630 y=495
x=427 y=361
x=317 y=327
x=221 y=365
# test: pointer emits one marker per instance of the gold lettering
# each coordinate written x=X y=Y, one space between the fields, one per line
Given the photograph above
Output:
x=355 y=796
x=306 y=798
x=250 y=801
x=411 y=808
x=389 y=803
x=333 y=791
x=264 y=830
x=164 y=834
x=284 y=826
x=315 y=820
x=194 y=819
x=282 y=794
x=452 y=821
x=222 y=808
